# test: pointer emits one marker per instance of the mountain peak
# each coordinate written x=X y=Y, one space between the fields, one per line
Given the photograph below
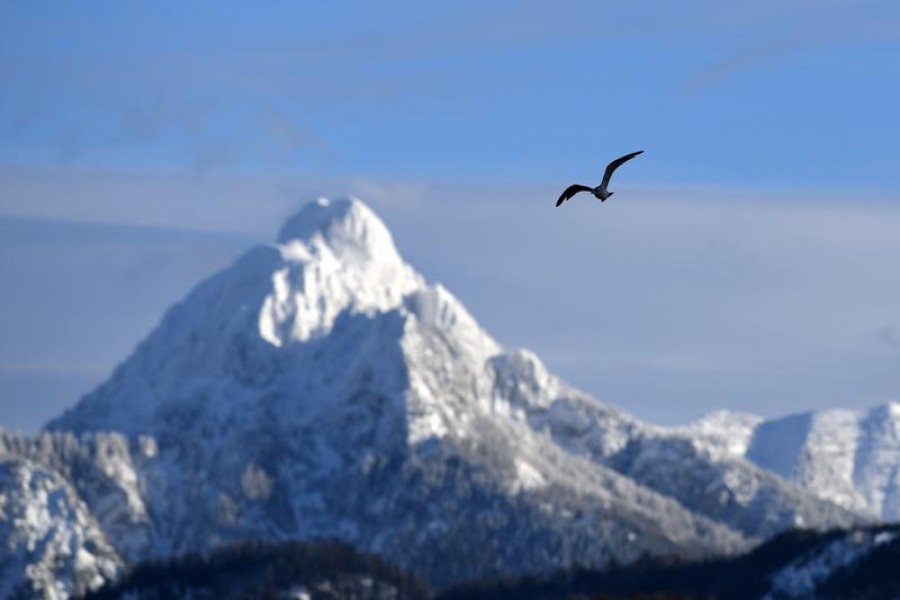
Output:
x=345 y=225
x=336 y=254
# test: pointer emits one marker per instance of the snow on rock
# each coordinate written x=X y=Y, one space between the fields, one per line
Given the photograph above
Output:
x=876 y=472
x=336 y=255
x=751 y=500
x=52 y=547
x=826 y=462
x=723 y=433
x=527 y=477
x=580 y=424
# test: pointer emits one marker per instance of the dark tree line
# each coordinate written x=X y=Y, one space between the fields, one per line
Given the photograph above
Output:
x=266 y=570
x=730 y=578
x=331 y=570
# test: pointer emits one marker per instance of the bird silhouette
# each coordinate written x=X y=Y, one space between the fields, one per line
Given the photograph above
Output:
x=600 y=192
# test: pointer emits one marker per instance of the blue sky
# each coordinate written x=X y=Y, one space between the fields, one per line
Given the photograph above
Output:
x=748 y=262
x=773 y=94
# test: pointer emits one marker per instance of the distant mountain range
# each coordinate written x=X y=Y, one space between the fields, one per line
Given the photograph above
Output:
x=320 y=388
x=849 y=457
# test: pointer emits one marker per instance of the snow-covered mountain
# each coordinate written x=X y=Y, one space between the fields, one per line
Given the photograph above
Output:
x=319 y=387
x=851 y=458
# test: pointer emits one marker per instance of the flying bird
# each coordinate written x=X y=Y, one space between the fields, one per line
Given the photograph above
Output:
x=600 y=192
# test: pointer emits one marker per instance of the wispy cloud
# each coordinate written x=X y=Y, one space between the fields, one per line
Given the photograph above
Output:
x=889 y=335
x=216 y=102
x=802 y=26
x=61 y=368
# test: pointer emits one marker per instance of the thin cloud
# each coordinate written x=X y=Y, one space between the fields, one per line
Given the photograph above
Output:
x=743 y=60
x=808 y=27
x=889 y=335
x=54 y=368
x=286 y=134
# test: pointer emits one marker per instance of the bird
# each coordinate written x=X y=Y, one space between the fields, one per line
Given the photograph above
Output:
x=600 y=192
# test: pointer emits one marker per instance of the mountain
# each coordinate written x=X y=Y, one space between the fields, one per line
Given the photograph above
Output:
x=321 y=388
x=851 y=458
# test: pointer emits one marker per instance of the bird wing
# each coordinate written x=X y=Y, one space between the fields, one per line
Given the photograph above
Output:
x=571 y=191
x=611 y=167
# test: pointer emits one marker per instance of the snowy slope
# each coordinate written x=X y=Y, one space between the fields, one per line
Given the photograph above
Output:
x=851 y=458
x=51 y=545
x=319 y=387
x=722 y=433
